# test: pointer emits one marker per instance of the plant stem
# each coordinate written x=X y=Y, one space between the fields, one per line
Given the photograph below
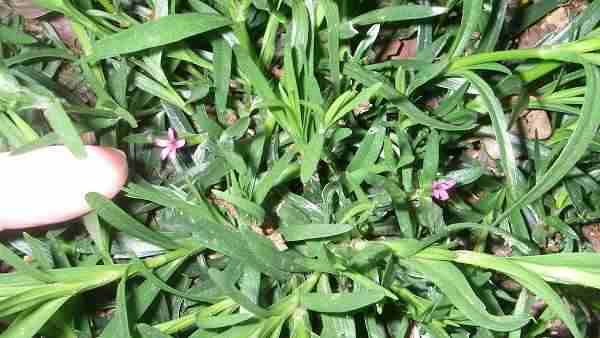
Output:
x=155 y=262
x=505 y=55
x=184 y=322
x=556 y=52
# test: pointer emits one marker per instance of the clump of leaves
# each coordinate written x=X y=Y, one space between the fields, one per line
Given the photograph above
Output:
x=319 y=187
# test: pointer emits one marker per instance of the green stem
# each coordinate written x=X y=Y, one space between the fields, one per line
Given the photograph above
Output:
x=285 y=307
x=155 y=262
x=545 y=53
x=184 y=322
x=505 y=55
x=539 y=70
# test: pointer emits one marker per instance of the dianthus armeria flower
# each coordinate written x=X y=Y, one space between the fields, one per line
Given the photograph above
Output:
x=440 y=189
x=170 y=145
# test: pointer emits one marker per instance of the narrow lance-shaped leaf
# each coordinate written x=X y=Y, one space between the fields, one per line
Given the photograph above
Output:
x=222 y=73
x=27 y=324
x=16 y=262
x=142 y=297
x=455 y=286
x=156 y=33
x=340 y=302
x=312 y=156
x=575 y=148
x=122 y=315
x=332 y=16
x=311 y=231
x=63 y=126
x=119 y=219
x=403 y=104
x=526 y=278
x=230 y=290
x=398 y=13
x=471 y=14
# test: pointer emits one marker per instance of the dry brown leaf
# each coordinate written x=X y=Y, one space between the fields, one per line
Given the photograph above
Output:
x=592 y=233
x=556 y=20
x=535 y=124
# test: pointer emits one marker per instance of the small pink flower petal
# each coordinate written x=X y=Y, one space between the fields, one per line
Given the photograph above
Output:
x=448 y=184
x=172 y=135
x=443 y=195
x=179 y=143
x=161 y=142
x=165 y=153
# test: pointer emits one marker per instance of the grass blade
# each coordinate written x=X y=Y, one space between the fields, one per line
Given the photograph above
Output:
x=119 y=219
x=27 y=324
x=455 y=286
x=575 y=148
x=63 y=126
x=472 y=11
x=155 y=33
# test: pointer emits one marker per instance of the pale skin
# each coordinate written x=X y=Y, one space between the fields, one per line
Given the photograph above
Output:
x=48 y=185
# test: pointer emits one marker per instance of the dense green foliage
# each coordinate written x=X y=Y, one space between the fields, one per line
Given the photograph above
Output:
x=302 y=204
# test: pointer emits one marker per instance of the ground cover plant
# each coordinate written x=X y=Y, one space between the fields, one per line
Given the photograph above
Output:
x=317 y=168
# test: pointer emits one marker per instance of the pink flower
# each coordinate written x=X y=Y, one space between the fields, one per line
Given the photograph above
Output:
x=170 y=145
x=440 y=189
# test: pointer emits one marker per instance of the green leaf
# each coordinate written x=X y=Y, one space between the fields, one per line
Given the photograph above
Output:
x=431 y=159
x=34 y=296
x=495 y=26
x=332 y=16
x=149 y=275
x=222 y=321
x=142 y=297
x=28 y=323
x=311 y=231
x=450 y=280
x=250 y=207
x=231 y=291
x=361 y=98
x=426 y=74
x=403 y=104
x=122 y=315
x=255 y=75
x=369 y=150
x=39 y=53
x=472 y=12
x=100 y=235
x=216 y=236
x=155 y=33
x=571 y=269
x=398 y=13
x=340 y=302
x=335 y=325
x=16 y=262
x=267 y=182
x=147 y=331
x=576 y=146
x=525 y=277
x=16 y=36
x=222 y=73
x=119 y=219
x=40 y=252
x=496 y=112
x=63 y=126
x=312 y=155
